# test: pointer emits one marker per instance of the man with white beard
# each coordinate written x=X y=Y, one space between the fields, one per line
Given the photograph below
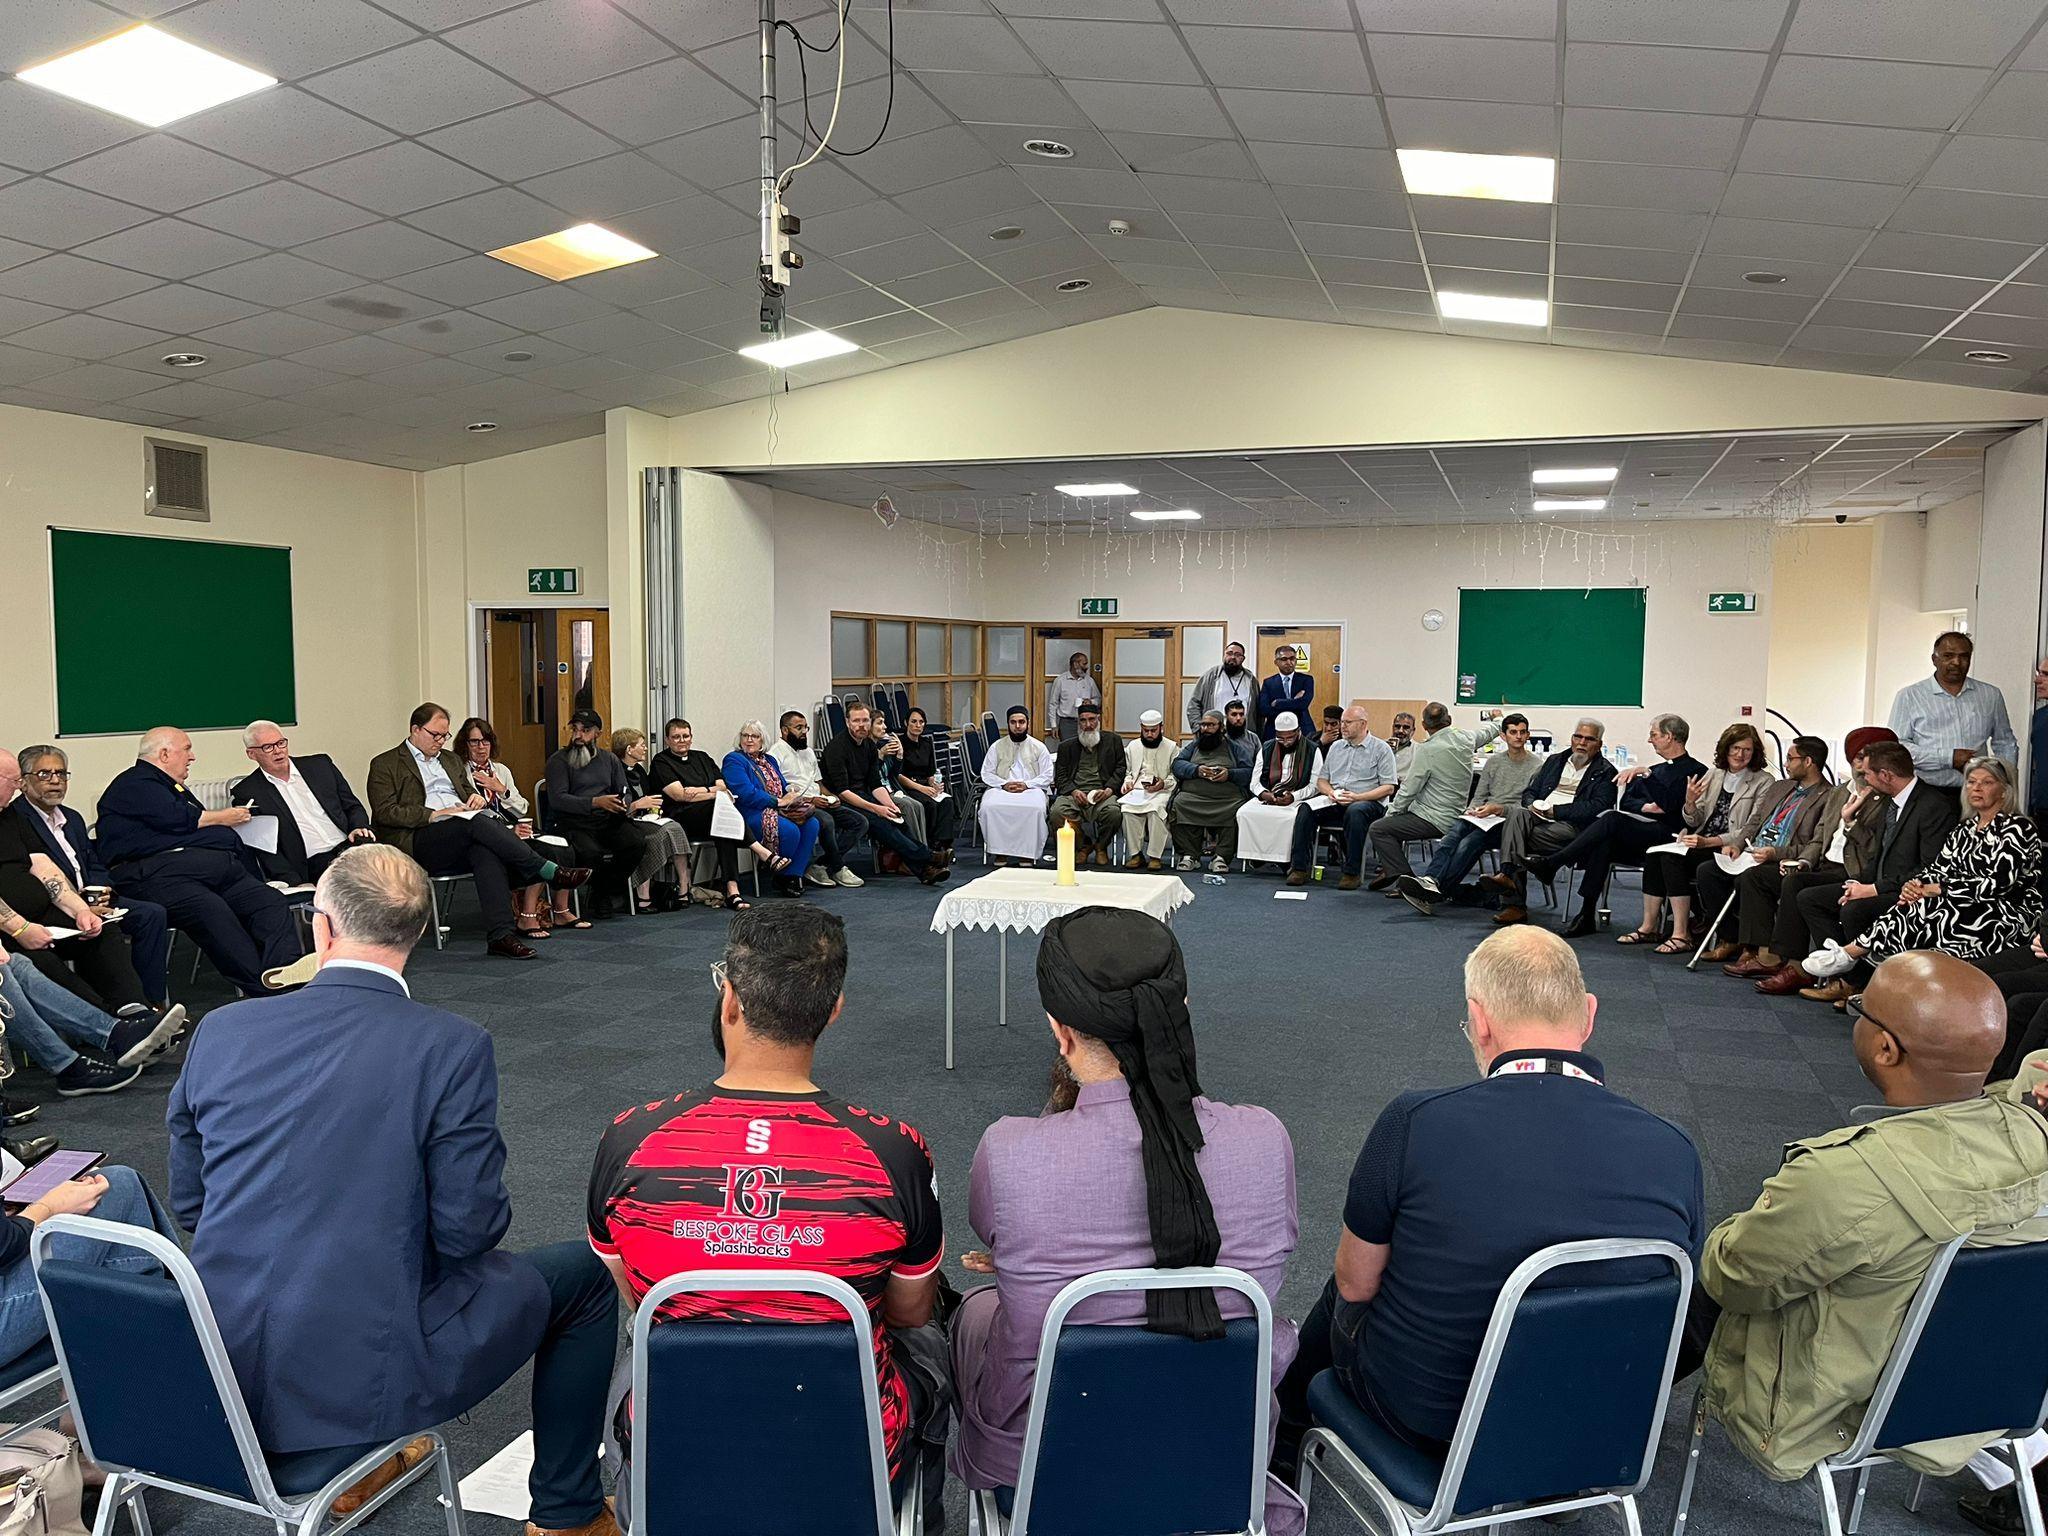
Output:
x=1148 y=766
x=1016 y=773
x=1086 y=776
x=587 y=797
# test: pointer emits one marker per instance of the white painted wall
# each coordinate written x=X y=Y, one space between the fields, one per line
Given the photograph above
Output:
x=1901 y=631
x=729 y=605
x=2009 y=572
x=1820 y=633
x=1955 y=536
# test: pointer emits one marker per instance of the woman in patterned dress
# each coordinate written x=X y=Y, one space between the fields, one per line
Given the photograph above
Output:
x=1980 y=896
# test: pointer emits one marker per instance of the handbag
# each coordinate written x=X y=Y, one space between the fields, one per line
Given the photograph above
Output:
x=42 y=1485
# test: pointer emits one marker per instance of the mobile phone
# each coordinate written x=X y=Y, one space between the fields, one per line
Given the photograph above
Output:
x=48 y=1174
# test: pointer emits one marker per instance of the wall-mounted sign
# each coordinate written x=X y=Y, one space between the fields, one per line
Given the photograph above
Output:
x=1731 y=602
x=554 y=581
x=1098 y=607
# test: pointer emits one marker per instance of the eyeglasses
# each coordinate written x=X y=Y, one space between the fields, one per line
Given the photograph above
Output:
x=718 y=977
x=273 y=746
x=433 y=735
x=1576 y=736
x=1855 y=1009
x=51 y=775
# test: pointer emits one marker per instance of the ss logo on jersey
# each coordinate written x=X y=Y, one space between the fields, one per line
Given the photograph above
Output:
x=757 y=1136
x=752 y=1191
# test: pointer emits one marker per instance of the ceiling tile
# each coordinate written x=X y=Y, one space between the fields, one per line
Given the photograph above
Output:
x=1362 y=272
x=1857 y=204
x=527 y=140
x=160 y=172
x=952 y=282
x=1619 y=262
x=380 y=251
x=1899 y=318
x=696 y=23
x=39 y=129
x=2016 y=107
x=1797 y=242
x=31 y=34
x=415 y=88
x=471 y=280
x=487 y=220
x=1345 y=205
x=356 y=355
x=1829 y=338
x=1514 y=285
x=93 y=381
x=905 y=258
x=554 y=44
x=1495 y=255
x=1909 y=251
x=975 y=98
x=1940 y=210
x=1604 y=294
x=1991 y=165
x=695 y=220
x=1205 y=194
x=497 y=357
x=1982 y=32
x=1488 y=18
x=270 y=377
x=1723 y=24
x=1480 y=216
x=274 y=334
x=1916 y=288
x=1147 y=108
x=699 y=311
x=71 y=282
x=14 y=252
x=1662 y=79
x=900 y=164
x=279 y=213
x=657 y=101
x=1230 y=229
x=63 y=216
x=284 y=131
x=602 y=189
x=1586 y=317
x=1864 y=91
x=291 y=38
x=169 y=248
x=1477 y=127
x=397 y=178
x=1176 y=154
x=1748 y=303
x=1306 y=117
x=84 y=336
x=1811 y=278
x=1328 y=166
x=539 y=309
x=372 y=307
x=711 y=157
x=1273 y=59
x=176 y=307
x=1653 y=138
x=1854 y=153
x=1676 y=189
x=1331 y=15
x=455 y=331
x=1461 y=68
x=1106 y=50
x=952 y=201
x=276 y=279
x=935 y=40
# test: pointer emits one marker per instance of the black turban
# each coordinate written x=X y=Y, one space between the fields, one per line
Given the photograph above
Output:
x=1118 y=976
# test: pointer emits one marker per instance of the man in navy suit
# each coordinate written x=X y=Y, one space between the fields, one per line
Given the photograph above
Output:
x=133 y=964
x=163 y=846
x=335 y=1154
x=318 y=815
x=1285 y=692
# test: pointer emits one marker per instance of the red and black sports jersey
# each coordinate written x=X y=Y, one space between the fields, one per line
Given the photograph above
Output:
x=726 y=1179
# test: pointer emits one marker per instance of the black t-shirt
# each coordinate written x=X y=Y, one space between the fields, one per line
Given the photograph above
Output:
x=19 y=887
x=846 y=764
x=1465 y=1183
x=920 y=760
x=693 y=769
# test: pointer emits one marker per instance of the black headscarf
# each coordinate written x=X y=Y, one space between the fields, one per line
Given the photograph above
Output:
x=1119 y=977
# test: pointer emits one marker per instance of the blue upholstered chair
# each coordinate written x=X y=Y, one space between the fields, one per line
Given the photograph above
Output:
x=1564 y=1410
x=1940 y=1381
x=714 y=1399
x=1099 y=1452
x=157 y=1404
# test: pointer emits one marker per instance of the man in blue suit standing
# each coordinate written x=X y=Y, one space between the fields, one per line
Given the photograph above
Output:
x=1285 y=692
x=335 y=1154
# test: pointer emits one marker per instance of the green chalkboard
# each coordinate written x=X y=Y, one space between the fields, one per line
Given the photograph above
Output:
x=169 y=632
x=1529 y=645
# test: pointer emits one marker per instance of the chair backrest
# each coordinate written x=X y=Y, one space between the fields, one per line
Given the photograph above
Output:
x=901 y=696
x=1939 y=1379
x=1100 y=1451
x=977 y=748
x=989 y=729
x=131 y=1347
x=835 y=720
x=712 y=1397
x=543 y=820
x=1571 y=1384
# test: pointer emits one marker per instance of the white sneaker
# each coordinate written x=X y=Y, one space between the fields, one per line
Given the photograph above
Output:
x=1829 y=960
x=848 y=878
x=816 y=876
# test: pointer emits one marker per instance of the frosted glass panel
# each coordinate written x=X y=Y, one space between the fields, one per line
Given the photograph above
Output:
x=931 y=650
x=1132 y=700
x=931 y=698
x=892 y=648
x=849 y=647
x=966 y=648
x=966 y=703
x=1001 y=695
x=1059 y=647
x=1201 y=647
x=1140 y=658
x=1006 y=650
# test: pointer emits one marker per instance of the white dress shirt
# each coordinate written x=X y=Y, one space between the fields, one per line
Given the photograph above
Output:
x=799 y=769
x=316 y=828
x=55 y=819
x=441 y=794
x=366 y=965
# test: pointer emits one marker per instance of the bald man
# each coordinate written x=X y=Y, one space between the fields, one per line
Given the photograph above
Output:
x=1847 y=1228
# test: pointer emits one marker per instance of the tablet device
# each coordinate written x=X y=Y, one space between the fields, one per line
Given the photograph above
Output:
x=48 y=1174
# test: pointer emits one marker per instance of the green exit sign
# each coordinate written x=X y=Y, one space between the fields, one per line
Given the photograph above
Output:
x=1098 y=607
x=555 y=581
x=1731 y=602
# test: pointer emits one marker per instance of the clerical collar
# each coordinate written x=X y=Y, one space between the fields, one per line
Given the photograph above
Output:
x=1560 y=1063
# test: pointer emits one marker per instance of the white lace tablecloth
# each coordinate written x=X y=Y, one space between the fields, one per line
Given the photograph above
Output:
x=1025 y=900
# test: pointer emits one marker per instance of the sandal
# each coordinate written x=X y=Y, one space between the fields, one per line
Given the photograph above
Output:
x=1673 y=946
x=1637 y=936
x=735 y=902
x=539 y=930
x=568 y=920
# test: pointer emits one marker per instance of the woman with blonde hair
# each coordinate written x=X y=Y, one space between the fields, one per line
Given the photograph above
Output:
x=669 y=847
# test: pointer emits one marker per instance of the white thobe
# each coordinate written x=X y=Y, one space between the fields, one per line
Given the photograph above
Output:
x=1013 y=825
x=1146 y=831
x=1265 y=833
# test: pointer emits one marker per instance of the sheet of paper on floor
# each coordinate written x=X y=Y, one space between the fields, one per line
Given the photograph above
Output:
x=498 y=1487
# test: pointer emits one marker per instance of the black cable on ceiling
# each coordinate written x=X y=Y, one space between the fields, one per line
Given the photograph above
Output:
x=803 y=76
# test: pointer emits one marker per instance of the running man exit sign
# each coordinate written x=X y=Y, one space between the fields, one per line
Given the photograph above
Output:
x=1731 y=602
x=555 y=581
x=1098 y=607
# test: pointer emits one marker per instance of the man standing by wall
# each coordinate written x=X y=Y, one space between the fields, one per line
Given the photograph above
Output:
x=1063 y=700
x=1947 y=719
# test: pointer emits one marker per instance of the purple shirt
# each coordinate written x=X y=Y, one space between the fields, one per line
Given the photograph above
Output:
x=1063 y=1195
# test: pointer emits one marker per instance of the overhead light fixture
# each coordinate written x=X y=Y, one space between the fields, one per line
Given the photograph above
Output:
x=1098 y=488
x=184 y=359
x=1764 y=279
x=1774 y=458
x=481 y=426
x=1571 y=476
x=1570 y=503
x=518 y=357
x=1049 y=149
x=1072 y=285
x=1660 y=474
x=804 y=347
x=1178 y=515
x=1909 y=482
x=1007 y=232
x=1988 y=355
x=1489 y=306
x=574 y=252
x=1504 y=178
x=147 y=76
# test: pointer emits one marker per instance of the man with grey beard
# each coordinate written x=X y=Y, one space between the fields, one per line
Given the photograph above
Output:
x=1087 y=776
x=587 y=798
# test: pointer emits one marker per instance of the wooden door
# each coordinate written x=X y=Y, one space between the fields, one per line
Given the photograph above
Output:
x=516 y=694
x=1141 y=671
x=1051 y=646
x=582 y=667
x=1323 y=643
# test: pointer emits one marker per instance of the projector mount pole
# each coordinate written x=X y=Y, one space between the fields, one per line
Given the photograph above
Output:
x=777 y=260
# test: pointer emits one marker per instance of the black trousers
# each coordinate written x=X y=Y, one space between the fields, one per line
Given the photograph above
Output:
x=601 y=838
x=487 y=849
x=1330 y=1340
x=695 y=820
x=1827 y=916
x=242 y=925
x=99 y=970
x=1675 y=874
x=2022 y=978
x=1612 y=838
x=941 y=817
x=895 y=837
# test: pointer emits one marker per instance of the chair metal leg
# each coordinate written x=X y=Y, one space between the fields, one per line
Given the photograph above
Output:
x=1830 y=1500
x=138 y=1513
x=450 y=1497
x=1856 y=1499
x=434 y=907
x=2030 y=1497
x=110 y=1506
x=1692 y=1461
x=1390 y=1520
x=1712 y=928
x=1631 y=1517
x=1913 y=1498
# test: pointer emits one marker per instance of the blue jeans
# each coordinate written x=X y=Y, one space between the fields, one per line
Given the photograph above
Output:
x=1458 y=852
x=42 y=1015
x=128 y=1200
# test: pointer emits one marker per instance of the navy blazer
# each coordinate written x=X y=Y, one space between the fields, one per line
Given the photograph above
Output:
x=329 y=788
x=1663 y=785
x=82 y=846
x=335 y=1153
x=145 y=811
x=1596 y=788
x=1274 y=699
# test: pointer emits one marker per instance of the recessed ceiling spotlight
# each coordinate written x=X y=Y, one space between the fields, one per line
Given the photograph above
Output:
x=184 y=359
x=1660 y=474
x=1177 y=515
x=1073 y=285
x=1571 y=476
x=481 y=426
x=804 y=347
x=1488 y=306
x=1097 y=488
x=1049 y=149
x=1007 y=232
x=1715 y=508
x=1506 y=178
x=1764 y=279
x=1775 y=458
x=147 y=76
x=1988 y=355
x=518 y=357
x=1909 y=482
x=574 y=252
x=1570 y=504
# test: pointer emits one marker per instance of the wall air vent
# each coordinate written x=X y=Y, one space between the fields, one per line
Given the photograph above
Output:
x=174 y=481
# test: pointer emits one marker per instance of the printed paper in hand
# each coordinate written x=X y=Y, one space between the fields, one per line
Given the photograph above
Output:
x=260 y=833
x=1139 y=801
x=1671 y=847
x=1317 y=802
x=1484 y=823
x=1735 y=863
x=726 y=820
x=499 y=1487
x=58 y=935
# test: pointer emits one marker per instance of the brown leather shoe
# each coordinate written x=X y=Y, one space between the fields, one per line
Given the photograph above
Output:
x=1135 y=861
x=1784 y=981
x=569 y=876
x=1721 y=952
x=1297 y=877
x=1380 y=882
x=1511 y=915
x=511 y=948
x=1501 y=882
x=1755 y=968
x=1348 y=883
x=1152 y=864
x=1838 y=990
x=604 y=1525
x=384 y=1475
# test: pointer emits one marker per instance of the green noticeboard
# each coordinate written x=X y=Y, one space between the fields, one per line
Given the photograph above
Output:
x=221 y=648
x=1574 y=646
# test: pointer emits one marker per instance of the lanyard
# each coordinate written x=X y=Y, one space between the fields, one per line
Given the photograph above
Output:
x=1543 y=1064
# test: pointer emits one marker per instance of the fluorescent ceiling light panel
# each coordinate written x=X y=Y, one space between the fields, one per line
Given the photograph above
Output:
x=147 y=76
x=1570 y=503
x=1179 y=515
x=804 y=347
x=574 y=252
x=1487 y=306
x=1105 y=488
x=1505 y=178
x=1572 y=476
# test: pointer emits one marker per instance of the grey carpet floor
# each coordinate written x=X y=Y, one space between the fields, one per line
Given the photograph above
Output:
x=1319 y=1010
